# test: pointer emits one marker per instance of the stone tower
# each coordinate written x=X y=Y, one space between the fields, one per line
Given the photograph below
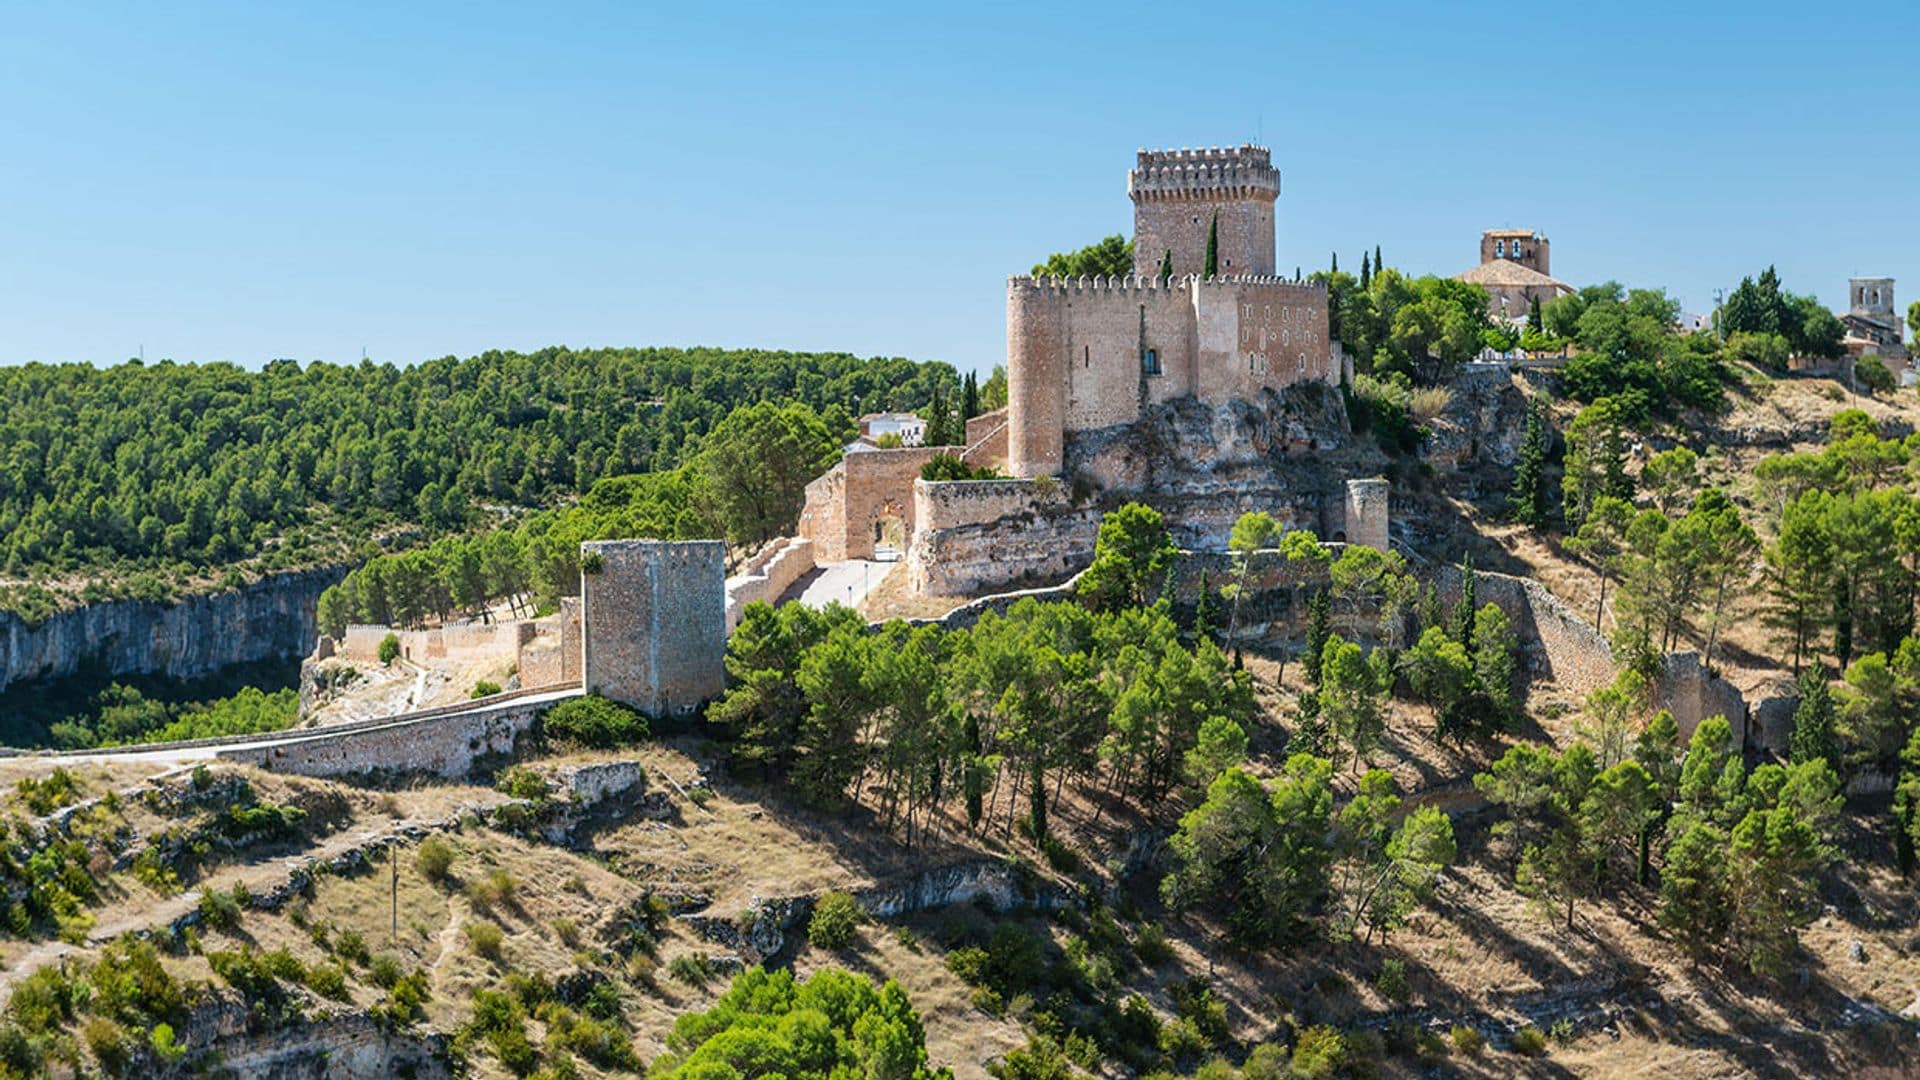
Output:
x=654 y=623
x=1872 y=297
x=1524 y=246
x=1177 y=195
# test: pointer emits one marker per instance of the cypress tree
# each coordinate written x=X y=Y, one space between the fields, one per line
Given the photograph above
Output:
x=1377 y=264
x=1213 y=247
x=1037 y=801
x=1529 y=495
x=970 y=397
x=1463 y=611
x=1335 y=268
x=1206 y=611
x=1319 y=628
x=937 y=434
x=1366 y=271
x=1166 y=267
x=975 y=780
x=1812 y=719
x=1533 y=316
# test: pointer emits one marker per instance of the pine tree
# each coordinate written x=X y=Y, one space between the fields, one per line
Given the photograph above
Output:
x=1462 y=630
x=1166 y=267
x=970 y=397
x=1529 y=495
x=1366 y=271
x=1813 y=719
x=1319 y=628
x=1213 y=247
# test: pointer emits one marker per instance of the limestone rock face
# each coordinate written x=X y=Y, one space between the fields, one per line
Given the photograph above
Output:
x=1485 y=422
x=271 y=619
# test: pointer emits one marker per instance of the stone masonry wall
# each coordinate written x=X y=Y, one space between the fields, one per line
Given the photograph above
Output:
x=767 y=579
x=845 y=504
x=438 y=743
x=655 y=622
x=1367 y=516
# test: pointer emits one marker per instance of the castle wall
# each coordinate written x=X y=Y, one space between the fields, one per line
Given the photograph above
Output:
x=1077 y=349
x=987 y=440
x=654 y=622
x=778 y=567
x=844 y=506
x=437 y=742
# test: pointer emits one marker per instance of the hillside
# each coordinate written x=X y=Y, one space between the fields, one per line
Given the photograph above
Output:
x=154 y=481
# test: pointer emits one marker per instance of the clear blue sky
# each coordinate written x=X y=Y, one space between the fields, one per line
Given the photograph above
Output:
x=243 y=182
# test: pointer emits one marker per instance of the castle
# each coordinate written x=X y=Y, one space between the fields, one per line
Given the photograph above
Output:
x=1238 y=359
x=1091 y=353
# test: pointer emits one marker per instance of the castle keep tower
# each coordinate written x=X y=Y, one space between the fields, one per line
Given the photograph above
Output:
x=1177 y=195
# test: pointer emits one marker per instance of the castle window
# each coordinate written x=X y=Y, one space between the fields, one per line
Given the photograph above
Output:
x=1086 y=356
x=1150 y=363
x=1499 y=249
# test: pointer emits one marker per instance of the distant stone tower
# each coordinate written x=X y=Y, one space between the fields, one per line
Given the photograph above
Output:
x=1872 y=298
x=654 y=623
x=1176 y=195
x=1524 y=246
x=1367 y=512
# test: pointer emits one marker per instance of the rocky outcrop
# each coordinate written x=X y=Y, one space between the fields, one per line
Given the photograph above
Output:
x=1486 y=421
x=270 y=619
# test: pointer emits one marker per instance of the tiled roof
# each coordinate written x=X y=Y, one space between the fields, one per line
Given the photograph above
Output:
x=1507 y=273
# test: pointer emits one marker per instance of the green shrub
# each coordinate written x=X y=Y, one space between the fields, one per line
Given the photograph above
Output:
x=495 y=887
x=389 y=649
x=1150 y=945
x=836 y=920
x=593 y=722
x=351 y=946
x=109 y=1044
x=59 y=788
x=434 y=858
x=328 y=980
x=1466 y=1041
x=385 y=971
x=520 y=782
x=1392 y=979
x=1317 y=1053
x=1268 y=1061
x=948 y=467
x=219 y=910
x=165 y=1045
x=694 y=969
x=1529 y=1042
x=567 y=931
x=484 y=688
x=485 y=939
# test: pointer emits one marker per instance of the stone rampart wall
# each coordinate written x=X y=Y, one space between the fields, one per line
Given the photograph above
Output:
x=844 y=506
x=948 y=504
x=785 y=562
x=1044 y=546
x=1560 y=646
x=989 y=450
x=443 y=742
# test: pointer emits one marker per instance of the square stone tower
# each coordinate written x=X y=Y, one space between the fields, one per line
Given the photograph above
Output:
x=1524 y=246
x=1179 y=195
x=1872 y=297
x=654 y=623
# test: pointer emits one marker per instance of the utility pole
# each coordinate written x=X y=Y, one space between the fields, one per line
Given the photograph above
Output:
x=393 y=860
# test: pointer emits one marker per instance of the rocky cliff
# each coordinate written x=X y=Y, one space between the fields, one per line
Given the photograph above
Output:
x=271 y=619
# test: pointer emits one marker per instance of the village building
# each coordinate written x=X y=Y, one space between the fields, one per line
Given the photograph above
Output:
x=1516 y=272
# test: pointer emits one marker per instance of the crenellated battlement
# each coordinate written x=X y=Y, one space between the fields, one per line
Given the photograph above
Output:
x=1244 y=171
x=1137 y=283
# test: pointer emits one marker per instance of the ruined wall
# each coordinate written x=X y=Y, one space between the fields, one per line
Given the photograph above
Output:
x=976 y=534
x=654 y=622
x=768 y=576
x=455 y=643
x=1687 y=689
x=1036 y=546
x=1560 y=646
x=844 y=506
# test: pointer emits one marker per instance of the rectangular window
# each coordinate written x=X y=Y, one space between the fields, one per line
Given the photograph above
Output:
x=1150 y=362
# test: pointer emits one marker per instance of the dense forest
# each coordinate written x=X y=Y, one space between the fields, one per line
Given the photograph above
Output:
x=157 y=473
